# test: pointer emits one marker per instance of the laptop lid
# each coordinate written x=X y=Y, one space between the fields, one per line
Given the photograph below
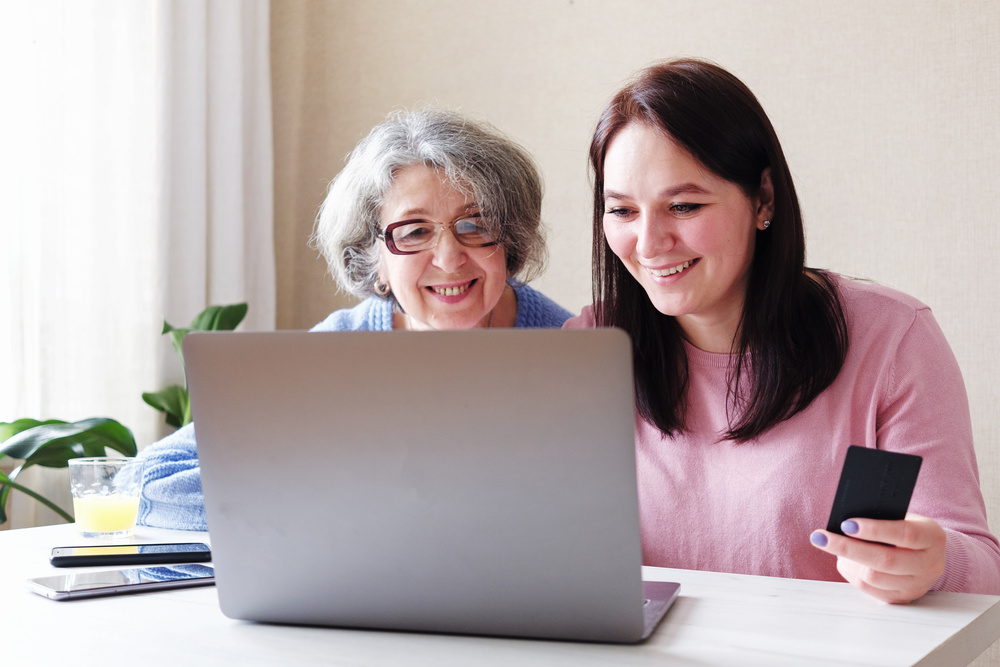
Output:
x=477 y=482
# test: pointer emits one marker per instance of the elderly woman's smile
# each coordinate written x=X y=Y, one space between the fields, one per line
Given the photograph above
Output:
x=451 y=290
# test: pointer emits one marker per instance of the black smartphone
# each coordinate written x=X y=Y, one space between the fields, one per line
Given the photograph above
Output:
x=116 y=582
x=131 y=554
x=874 y=484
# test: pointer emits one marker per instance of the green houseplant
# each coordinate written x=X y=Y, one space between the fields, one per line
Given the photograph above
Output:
x=52 y=443
x=174 y=400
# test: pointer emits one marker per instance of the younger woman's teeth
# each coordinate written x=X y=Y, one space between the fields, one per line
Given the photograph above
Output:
x=451 y=291
x=660 y=273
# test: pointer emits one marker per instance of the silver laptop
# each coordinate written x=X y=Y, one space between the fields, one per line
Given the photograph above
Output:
x=474 y=482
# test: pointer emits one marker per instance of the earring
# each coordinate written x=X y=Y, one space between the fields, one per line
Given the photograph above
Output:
x=767 y=223
x=381 y=289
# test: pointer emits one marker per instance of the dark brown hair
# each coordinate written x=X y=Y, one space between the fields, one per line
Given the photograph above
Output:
x=792 y=325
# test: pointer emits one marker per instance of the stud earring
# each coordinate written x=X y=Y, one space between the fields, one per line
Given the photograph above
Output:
x=381 y=289
x=767 y=223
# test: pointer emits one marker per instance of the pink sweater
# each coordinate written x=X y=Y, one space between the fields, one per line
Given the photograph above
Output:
x=749 y=508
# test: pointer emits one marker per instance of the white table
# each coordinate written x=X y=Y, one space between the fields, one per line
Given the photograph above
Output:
x=719 y=619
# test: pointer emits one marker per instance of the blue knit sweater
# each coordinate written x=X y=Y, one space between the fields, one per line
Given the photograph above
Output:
x=171 y=494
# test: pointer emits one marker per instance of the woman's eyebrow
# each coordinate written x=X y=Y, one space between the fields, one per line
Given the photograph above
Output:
x=684 y=189
x=673 y=191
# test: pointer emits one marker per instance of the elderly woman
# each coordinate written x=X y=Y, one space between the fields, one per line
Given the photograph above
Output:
x=435 y=223
x=435 y=220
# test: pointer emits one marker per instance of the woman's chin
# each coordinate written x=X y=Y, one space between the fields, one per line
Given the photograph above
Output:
x=450 y=321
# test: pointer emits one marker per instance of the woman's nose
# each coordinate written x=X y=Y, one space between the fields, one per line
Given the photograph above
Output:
x=449 y=254
x=654 y=235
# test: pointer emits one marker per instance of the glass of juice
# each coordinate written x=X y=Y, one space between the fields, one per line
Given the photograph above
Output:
x=106 y=495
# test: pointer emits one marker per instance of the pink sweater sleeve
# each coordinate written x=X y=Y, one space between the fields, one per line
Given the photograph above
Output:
x=926 y=412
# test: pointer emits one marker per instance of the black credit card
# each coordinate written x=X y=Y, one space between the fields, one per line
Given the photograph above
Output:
x=874 y=484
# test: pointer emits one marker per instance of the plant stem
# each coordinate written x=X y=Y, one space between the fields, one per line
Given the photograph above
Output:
x=40 y=498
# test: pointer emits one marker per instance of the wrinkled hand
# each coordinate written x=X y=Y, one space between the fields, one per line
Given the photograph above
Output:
x=895 y=574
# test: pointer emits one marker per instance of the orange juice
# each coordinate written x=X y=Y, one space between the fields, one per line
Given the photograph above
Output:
x=113 y=514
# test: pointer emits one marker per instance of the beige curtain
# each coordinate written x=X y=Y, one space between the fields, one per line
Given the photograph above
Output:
x=136 y=186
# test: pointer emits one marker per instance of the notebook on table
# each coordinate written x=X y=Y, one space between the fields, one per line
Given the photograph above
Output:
x=473 y=482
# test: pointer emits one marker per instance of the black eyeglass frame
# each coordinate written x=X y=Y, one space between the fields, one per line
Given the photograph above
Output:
x=390 y=243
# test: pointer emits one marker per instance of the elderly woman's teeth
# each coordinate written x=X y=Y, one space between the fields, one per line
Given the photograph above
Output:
x=451 y=291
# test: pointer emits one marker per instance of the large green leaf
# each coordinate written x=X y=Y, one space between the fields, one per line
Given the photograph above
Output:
x=220 y=318
x=53 y=443
x=174 y=401
x=213 y=318
x=176 y=338
x=7 y=431
x=10 y=429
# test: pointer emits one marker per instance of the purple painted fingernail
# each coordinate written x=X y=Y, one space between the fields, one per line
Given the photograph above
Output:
x=818 y=538
x=849 y=527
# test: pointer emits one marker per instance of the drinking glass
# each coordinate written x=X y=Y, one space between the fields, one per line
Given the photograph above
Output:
x=106 y=495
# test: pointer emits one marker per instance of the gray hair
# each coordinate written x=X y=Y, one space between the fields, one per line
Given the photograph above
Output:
x=475 y=157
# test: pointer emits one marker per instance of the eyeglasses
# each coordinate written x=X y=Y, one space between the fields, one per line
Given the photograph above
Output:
x=412 y=236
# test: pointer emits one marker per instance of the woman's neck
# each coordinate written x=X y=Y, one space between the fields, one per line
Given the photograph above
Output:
x=504 y=314
x=711 y=334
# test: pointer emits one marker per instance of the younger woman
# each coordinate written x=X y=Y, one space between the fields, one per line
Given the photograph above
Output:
x=753 y=372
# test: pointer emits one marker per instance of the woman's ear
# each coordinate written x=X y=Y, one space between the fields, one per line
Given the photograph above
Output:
x=382 y=287
x=765 y=200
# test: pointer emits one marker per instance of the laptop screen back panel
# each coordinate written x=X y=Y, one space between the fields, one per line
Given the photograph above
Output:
x=474 y=482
